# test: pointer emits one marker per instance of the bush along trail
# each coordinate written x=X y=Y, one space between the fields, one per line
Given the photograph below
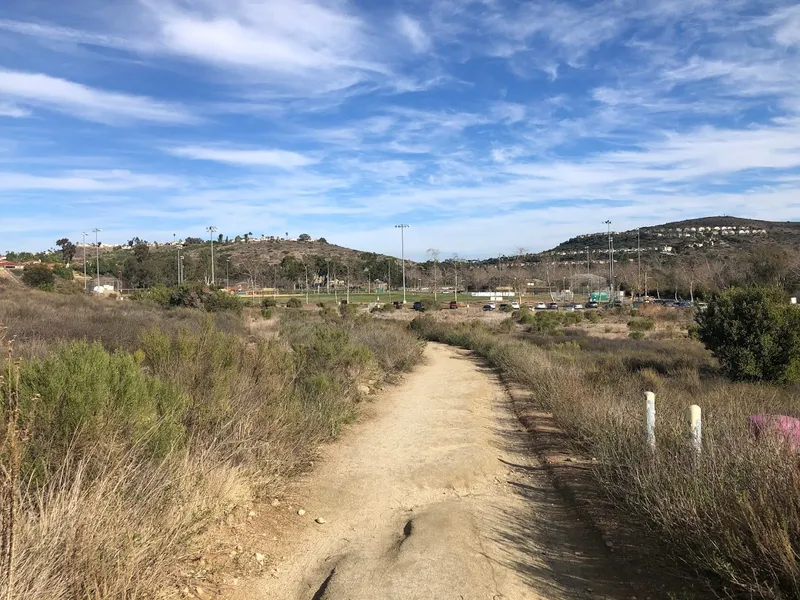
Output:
x=137 y=439
x=729 y=514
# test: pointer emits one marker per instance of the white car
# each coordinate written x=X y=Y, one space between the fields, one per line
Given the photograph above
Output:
x=515 y=305
x=578 y=306
x=540 y=306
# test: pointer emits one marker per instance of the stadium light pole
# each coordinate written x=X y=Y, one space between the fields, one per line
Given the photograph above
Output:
x=402 y=227
x=211 y=229
x=639 y=257
x=227 y=273
x=85 y=278
x=97 y=245
x=612 y=287
x=306 y=268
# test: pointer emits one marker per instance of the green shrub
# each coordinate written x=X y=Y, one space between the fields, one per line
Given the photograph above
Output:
x=39 y=276
x=636 y=335
x=641 y=324
x=294 y=303
x=63 y=272
x=430 y=305
x=222 y=301
x=754 y=333
x=88 y=395
x=592 y=316
x=160 y=294
x=267 y=313
x=268 y=302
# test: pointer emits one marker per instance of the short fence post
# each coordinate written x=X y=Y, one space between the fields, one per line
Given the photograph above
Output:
x=650 y=423
x=696 y=428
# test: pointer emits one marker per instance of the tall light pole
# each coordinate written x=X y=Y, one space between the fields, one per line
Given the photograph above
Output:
x=348 y=282
x=178 y=258
x=328 y=278
x=85 y=278
x=612 y=287
x=389 y=285
x=639 y=256
x=211 y=229
x=306 y=268
x=402 y=227
x=181 y=268
x=588 y=273
x=228 y=273
x=368 y=282
x=97 y=245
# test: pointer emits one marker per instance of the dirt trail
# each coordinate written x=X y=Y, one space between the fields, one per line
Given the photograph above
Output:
x=437 y=497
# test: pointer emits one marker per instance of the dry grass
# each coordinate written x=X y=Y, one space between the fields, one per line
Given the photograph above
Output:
x=197 y=420
x=37 y=319
x=733 y=513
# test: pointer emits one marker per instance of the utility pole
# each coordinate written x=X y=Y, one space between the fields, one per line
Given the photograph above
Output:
x=368 y=283
x=211 y=229
x=348 y=282
x=85 y=278
x=588 y=273
x=455 y=270
x=328 y=278
x=403 y=227
x=389 y=285
x=227 y=273
x=181 y=268
x=611 y=285
x=639 y=256
x=434 y=254
x=178 y=258
x=97 y=245
x=306 y=268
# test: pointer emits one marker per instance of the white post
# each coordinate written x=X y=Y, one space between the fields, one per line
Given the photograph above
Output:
x=696 y=428
x=650 y=425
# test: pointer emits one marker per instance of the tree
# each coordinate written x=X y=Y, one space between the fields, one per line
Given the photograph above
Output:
x=68 y=250
x=39 y=276
x=754 y=333
x=304 y=237
x=322 y=241
x=220 y=237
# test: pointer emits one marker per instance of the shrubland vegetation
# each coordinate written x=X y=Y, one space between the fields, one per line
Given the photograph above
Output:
x=730 y=513
x=143 y=424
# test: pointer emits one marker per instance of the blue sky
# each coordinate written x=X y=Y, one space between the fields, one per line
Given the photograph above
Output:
x=486 y=125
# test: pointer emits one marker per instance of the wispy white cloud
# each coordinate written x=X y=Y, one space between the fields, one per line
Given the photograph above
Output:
x=412 y=30
x=8 y=109
x=86 y=181
x=244 y=157
x=91 y=104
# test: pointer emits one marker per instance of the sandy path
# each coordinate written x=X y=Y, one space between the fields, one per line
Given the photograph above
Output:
x=437 y=497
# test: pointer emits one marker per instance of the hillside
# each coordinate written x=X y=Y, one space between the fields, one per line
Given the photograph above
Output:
x=715 y=235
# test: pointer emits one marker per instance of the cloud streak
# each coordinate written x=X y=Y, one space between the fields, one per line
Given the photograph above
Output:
x=92 y=104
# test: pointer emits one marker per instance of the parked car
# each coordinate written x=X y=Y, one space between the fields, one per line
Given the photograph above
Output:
x=504 y=306
x=488 y=307
x=453 y=304
x=418 y=306
x=515 y=305
x=569 y=308
x=552 y=306
x=540 y=306
x=592 y=304
x=397 y=304
x=578 y=306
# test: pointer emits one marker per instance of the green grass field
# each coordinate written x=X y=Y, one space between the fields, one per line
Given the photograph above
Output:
x=394 y=295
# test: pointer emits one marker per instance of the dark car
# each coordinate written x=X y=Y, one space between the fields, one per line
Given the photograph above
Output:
x=592 y=305
x=418 y=306
x=453 y=304
x=397 y=304
x=552 y=306
x=488 y=307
